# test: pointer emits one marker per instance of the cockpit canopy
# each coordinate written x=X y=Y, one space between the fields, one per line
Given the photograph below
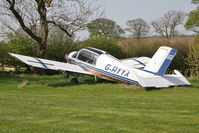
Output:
x=88 y=55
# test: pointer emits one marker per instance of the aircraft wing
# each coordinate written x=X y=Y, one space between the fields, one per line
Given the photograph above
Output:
x=49 y=64
x=136 y=62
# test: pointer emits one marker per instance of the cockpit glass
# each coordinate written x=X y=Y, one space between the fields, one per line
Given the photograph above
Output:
x=87 y=57
x=74 y=55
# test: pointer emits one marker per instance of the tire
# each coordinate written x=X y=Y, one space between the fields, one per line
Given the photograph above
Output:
x=74 y=80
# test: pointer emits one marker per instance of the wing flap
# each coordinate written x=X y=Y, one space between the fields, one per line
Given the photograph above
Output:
x=49 y=64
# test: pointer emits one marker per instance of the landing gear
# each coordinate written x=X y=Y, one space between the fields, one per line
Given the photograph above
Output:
x=74 y=80
x=97 y=80
x=66 y=74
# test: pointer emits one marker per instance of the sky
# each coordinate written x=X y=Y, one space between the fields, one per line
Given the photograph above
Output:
x=122 y=10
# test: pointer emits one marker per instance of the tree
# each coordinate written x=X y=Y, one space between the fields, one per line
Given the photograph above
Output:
x=138 y=27
x=192 y=22
x=22 y=44
x=193 y=57
x=69 y=16
x=60 y=44
x=195 y=1
x=3 y=55
x=104 y=27
x=166 y=25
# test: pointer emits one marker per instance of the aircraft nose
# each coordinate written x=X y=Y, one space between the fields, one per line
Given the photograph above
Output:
x=66 y=56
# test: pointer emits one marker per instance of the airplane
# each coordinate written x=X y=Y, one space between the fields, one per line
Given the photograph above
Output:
x=144 y=71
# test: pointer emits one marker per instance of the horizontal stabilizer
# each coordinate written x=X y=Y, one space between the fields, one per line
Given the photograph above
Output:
x=136 y=62
x=49 y=64
x=156 y=81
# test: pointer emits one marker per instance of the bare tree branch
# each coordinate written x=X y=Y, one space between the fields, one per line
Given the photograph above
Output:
x=21 y=22
x=166 y=26
x=36 y=16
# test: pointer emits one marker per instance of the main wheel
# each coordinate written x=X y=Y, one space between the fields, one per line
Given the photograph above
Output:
x=74 y=80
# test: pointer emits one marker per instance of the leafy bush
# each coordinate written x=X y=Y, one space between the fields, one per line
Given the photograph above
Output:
x=59 y=45
x=192 y=59
x=23 y=45
x=57 y=48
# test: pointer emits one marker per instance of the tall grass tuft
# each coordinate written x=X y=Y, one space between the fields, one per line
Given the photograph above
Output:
x=23 y=84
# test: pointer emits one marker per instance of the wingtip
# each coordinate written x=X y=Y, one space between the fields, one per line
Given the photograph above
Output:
x=12 y=54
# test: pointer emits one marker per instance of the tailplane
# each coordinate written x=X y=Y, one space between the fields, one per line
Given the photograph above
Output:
x=161 y=60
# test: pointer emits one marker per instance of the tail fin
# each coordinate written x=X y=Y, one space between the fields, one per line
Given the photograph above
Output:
x=161 y=60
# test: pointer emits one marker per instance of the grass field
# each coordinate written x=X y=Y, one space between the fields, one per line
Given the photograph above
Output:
x=32 y=103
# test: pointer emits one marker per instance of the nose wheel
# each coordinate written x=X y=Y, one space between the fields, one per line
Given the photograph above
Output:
x=75 y=79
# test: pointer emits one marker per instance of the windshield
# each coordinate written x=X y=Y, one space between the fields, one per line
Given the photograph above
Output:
x=74 y=55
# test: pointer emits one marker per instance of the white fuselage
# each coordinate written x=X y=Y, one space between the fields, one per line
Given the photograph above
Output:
x=109 y=67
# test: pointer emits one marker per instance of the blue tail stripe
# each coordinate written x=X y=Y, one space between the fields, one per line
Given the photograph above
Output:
x=166 y=63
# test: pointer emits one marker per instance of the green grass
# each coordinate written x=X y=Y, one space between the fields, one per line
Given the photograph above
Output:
x=32 y=103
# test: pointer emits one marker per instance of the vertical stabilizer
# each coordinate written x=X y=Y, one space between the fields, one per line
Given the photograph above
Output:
x=161 y=60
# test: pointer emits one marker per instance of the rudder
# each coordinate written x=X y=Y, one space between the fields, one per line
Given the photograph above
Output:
x=161 y=60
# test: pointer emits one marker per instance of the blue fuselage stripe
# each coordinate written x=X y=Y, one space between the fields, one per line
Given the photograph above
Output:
x=104 y=72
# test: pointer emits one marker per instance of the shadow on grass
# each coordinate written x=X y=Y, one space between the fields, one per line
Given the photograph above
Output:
x=88 y=81
x=52 y=81
x=4 y=76
x=154 y=89
x=192 y=86
x=68 y=83
x=171 y=87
